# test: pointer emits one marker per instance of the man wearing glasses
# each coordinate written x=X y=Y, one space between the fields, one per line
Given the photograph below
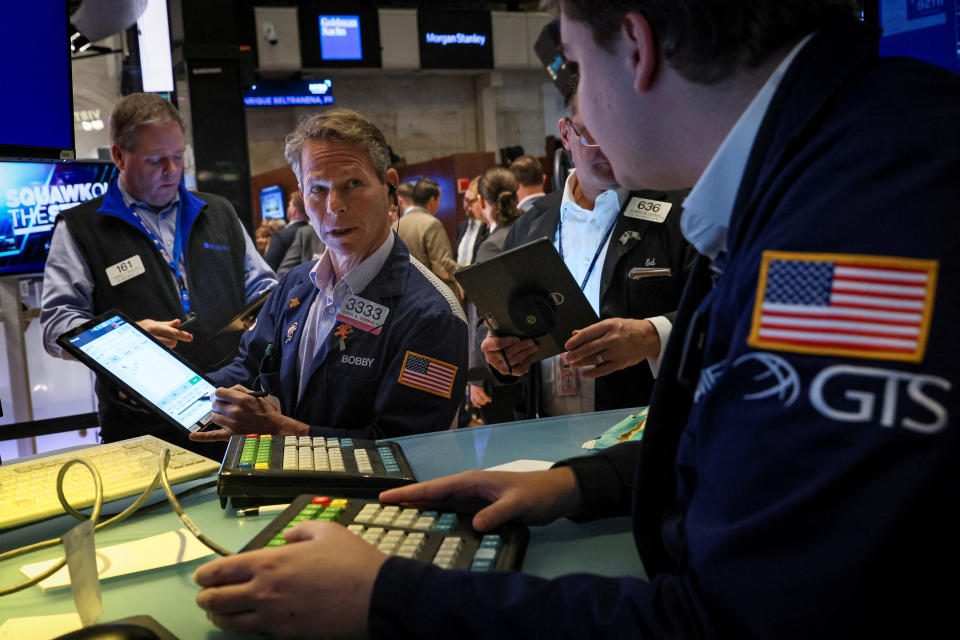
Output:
x=626 y=251
x=472 y=231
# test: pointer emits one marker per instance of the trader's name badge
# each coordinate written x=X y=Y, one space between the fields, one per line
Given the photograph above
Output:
x=363 y=314
x=125 y=270
x=646 y=209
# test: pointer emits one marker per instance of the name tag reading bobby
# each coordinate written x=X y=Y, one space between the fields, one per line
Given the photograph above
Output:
x=649 y=210
x=363 y=314
x=125 y=270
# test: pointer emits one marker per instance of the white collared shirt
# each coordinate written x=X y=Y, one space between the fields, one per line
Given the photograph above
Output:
x=465 y=248
x=325 y=307
x=708 y=207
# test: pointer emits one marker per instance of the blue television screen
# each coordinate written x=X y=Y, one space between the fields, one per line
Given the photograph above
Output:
x=37 y=117
x=340 y=37
x=32 y=195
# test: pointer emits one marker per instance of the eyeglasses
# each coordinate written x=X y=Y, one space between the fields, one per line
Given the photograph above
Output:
x=585 y=139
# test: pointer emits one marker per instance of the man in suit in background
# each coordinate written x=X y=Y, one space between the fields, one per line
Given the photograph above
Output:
x=425 y=236
x=530 y=179
x=306 y=246
x=472 y=231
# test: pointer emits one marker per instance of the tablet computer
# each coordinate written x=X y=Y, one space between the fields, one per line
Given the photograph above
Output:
x=528 y=292
x=240 y=322
x=135 y=362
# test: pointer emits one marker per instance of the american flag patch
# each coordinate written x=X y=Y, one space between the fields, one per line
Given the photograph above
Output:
x=847 y=305
x=427 y=374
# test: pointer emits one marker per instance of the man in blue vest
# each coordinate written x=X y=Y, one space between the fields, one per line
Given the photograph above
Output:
x=185 y=253
x=798 y=473
x=364 y=342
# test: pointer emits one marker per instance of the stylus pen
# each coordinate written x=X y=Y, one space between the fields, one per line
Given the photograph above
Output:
x=506 y=361
x=267 y=508
x=252 y=394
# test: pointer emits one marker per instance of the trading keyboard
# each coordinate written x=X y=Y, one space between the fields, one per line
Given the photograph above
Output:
x=265 y=469
x=28 y=490
x=444 y=539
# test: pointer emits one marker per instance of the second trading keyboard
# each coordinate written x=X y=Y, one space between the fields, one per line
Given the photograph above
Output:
x=28 y=490
x=444 y=539
x=265 y=469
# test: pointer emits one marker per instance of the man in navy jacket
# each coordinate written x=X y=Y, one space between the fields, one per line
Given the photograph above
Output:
x=798 y=475
x=364 y=342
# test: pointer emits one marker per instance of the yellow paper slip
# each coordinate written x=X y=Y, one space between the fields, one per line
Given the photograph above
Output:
x=39 y=627
x=145 y=554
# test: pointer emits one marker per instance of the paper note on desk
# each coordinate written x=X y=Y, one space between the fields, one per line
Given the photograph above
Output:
x=154 y=552
x=522 y=465
x=40 y=627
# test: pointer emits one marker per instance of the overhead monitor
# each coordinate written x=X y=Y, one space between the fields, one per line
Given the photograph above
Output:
x=339 y=34
x=153 y=38
x=922 y=29
x=32 y=195
x=271 y=202
x=455 y=39
x=37 y=116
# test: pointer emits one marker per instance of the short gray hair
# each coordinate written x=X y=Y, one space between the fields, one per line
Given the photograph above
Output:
x=339 y=125
x=136 y=110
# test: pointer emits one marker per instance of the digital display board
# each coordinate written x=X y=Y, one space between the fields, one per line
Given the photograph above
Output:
x=339 y=34
x=32 y=195
x=285 y=93
x=455 y=39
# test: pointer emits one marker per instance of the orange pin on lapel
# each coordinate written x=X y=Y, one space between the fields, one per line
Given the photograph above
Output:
x=294 y=303
x=342 y=332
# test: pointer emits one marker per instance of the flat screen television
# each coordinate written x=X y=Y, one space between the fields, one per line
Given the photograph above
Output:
x=271 y=202
x=153 y=41
x=32 y=195
x=455 y=39
x=37 y=117
x=339 y=34
x=922 y=29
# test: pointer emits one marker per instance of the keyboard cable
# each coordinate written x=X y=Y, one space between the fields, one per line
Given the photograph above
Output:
x=159 y=479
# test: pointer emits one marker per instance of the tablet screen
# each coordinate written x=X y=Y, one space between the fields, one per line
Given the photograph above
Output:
x=148 y=369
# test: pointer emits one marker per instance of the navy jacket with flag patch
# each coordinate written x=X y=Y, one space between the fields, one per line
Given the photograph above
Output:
x=357 y=392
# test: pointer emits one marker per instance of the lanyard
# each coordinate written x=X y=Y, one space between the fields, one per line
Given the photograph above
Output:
x=596 y=256
x=172 y=261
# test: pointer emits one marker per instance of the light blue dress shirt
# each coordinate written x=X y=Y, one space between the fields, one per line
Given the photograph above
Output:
x=584 y=231
x=67 y=298
x=325 y=307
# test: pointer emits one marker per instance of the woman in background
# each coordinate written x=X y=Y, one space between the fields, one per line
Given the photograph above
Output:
x=498 y=197
x=497 y=189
